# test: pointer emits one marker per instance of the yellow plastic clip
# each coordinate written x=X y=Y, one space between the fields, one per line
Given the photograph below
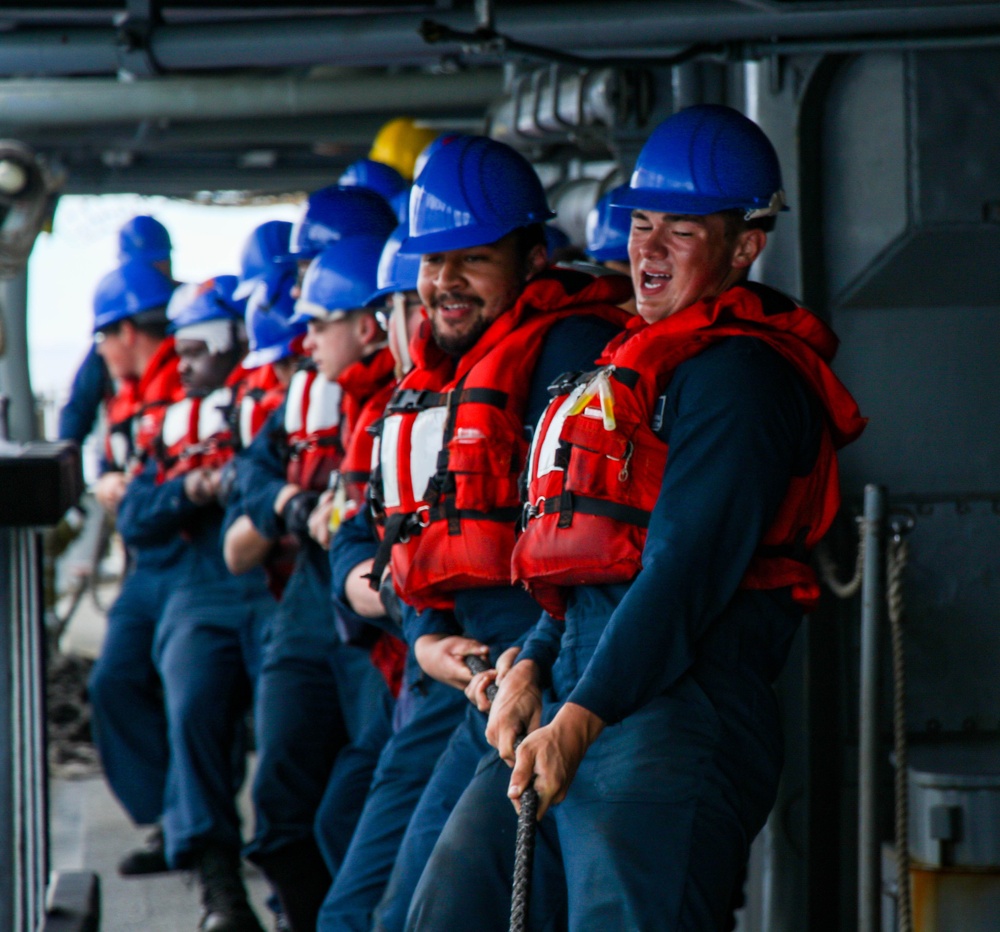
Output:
x=607 y=396
x=339 y=508
x=584 y=399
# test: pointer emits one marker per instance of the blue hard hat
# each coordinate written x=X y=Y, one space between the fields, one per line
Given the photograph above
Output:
x=211 y=300
x=705 y=159
x=269 y=240
x=396 y=271
x=129 y=290
x=608 y=228
x=341 y=278
x=401 y=205
x=437 y=143
x=555 y=238
x=336 y=212
x=143 y=238
x=471 y=192
x=376 y=176
x=270 y=328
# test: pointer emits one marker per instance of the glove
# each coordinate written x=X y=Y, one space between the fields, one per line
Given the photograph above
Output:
x=296 y=513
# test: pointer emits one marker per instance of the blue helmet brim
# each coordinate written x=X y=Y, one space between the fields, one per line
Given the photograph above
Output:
x=463 y=237
x=609 y=255
x=266 y=354
x=677 y=202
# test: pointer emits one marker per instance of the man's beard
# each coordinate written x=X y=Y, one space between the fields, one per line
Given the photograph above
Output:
x=459 y=344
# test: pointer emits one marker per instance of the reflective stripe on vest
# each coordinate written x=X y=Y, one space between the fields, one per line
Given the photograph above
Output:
x=312 y=424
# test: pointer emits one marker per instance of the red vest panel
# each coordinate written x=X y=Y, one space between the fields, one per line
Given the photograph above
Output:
x=596 y=465
x=452 y=444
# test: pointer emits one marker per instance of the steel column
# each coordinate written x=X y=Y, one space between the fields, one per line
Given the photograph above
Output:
x=872 y=622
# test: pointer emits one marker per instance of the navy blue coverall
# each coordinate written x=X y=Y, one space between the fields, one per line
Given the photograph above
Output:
x=431 y=759
x=314 y=693
x=130 y=725
x=206 y=650
x=656 y=827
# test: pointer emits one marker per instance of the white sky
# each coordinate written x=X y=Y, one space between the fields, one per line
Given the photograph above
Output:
x=67 y=264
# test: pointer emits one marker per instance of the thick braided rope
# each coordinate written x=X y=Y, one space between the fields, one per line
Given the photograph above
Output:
x=896 y=557
x=527 y=820
x=828 y=568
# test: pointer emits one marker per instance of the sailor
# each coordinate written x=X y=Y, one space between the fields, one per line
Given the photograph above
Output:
x=674 y=583
x=315 y=693
x=130 y=333
x=206 y=647
x=362 y=870
x=275 y=340
x=500 y=325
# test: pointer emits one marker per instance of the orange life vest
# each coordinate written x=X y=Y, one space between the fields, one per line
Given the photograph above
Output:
x=260 y=394
x=197 y=433
x=452 y=443
x=136 y=411
x=596 y=465
x=368 y=385
x=313 y=428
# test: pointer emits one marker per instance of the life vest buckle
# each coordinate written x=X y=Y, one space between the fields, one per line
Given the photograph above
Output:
x=533 y=510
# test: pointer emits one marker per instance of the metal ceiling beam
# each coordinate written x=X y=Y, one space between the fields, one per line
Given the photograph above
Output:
x=351 y=131
x=629 y=27
x=177 y=181
x=41 y=101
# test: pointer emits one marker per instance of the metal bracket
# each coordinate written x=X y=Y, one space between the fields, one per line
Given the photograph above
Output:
x=133 y=40
x=901 y=523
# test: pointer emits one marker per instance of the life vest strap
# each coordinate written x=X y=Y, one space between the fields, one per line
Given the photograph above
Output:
x=399 y=527
x=408 y=400
x=314 y=442
x=570 y=503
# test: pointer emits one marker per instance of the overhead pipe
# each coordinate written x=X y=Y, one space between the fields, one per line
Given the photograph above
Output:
x=625 y=28
x=78 y=101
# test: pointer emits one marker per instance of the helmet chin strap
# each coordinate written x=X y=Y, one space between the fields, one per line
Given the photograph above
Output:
x=397 y=326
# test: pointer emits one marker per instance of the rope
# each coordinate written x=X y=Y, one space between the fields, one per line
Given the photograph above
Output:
x=897 y=554
x=828 y=568
x=527 y=822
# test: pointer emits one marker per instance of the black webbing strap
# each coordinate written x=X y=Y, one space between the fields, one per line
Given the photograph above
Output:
x=313 y=443
x=413 y=399
x=570 y=503
x=395 y=528
x=627 y=377
x=442 y=483
x=399 y=527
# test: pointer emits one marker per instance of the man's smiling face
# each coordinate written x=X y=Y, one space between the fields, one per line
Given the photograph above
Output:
x=465 y=290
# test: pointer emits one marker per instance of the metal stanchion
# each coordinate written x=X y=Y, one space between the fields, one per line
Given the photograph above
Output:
x=872 y=617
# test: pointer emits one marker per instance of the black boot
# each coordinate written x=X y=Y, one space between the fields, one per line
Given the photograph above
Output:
x=149 y=859
x=223 y=896
x=299 y=876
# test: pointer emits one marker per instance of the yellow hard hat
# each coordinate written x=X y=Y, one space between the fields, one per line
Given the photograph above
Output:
x=398 y=144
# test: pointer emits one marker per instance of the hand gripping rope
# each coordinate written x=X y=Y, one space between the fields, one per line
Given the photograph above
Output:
x=524 y=845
